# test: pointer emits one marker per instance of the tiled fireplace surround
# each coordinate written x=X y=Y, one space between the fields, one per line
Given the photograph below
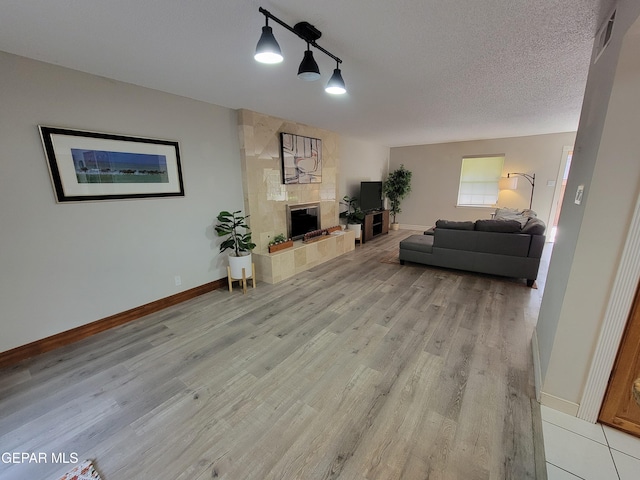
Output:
x=266 y=198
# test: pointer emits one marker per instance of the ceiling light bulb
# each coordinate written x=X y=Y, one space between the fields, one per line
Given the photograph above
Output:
x=336 y=85
x=268 y=50
x=308 y=69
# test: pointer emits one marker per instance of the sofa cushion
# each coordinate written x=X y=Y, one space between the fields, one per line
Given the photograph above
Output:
x=455 y=239
x=499 y=225
x=509 y=244
x=453 y=225
x=534 y=226
x=418 y=243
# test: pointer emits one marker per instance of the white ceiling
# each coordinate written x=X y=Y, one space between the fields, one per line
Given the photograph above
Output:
x=417 y=71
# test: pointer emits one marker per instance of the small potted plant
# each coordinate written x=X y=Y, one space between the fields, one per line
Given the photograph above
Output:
x=396 y=187
x=279 y=242
x=353 y=214
x=230 y=225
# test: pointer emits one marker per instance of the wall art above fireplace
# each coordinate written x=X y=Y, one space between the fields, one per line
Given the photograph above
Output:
x=301 y=159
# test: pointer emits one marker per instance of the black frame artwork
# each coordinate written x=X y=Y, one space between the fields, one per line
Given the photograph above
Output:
x=86 y=165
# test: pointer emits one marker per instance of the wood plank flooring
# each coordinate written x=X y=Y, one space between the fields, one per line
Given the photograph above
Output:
x=357 y=369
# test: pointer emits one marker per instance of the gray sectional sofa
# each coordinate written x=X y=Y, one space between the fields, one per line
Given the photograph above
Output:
x=500 y=246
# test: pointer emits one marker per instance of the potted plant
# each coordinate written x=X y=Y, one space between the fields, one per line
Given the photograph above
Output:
x=279 y=242
x=353 y=214
x=229 y=225
x=396 y=187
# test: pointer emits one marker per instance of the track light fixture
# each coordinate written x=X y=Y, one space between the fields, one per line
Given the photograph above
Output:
x=268 y=51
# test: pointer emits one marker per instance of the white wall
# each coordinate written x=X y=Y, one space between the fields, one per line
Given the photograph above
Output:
x=591 y=235
x=64 y=265
x=360 y=161
x=436 y=176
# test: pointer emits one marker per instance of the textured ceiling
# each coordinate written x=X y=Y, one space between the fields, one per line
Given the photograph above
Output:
x=417 y=71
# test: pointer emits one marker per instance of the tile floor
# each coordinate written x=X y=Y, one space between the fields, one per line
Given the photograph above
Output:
x=576 y=449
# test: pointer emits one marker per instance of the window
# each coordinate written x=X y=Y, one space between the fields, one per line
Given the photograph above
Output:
x=479 y=178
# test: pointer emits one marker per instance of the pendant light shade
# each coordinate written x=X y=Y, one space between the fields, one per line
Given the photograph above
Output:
x=336 y=85
x=308 y=69
x=268 y=50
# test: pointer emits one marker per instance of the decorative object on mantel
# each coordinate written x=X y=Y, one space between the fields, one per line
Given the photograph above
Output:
x=301 y=159
x=511 y=183
x=353 y=214
x=313 y=236
x=396 y=187
x=102 y=166
x=316 y=235
x=240 y=265
x=268 y=51
x=279 y=242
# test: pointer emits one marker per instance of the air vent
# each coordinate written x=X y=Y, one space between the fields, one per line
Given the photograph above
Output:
x=604 y=35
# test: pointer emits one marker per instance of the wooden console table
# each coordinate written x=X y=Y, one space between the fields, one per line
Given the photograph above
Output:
x=375 y=223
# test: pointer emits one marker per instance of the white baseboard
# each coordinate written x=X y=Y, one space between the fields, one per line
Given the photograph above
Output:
x=414 y=227
x=559 y=404
x=537 y=371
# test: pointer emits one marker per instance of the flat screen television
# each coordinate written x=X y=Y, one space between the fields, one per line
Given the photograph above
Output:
x=371 y=196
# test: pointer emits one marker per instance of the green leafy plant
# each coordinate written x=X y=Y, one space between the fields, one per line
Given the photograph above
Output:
x=353 y=214
x=278 y=239
x=396 y=187
x=229 y=225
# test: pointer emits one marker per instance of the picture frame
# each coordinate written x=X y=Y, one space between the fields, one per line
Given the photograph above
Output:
x=301 y=159
x=92 y=166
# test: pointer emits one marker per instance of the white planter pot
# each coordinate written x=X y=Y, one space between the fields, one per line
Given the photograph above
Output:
x=357 y=227
x=395 y=226
x=238 y=263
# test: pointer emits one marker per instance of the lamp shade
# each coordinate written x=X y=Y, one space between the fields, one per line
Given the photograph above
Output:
x=308 y=69
x=508 y=183
x=268 y=50
x=336 y=85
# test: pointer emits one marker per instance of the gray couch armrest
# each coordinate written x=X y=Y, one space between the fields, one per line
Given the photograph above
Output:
x=537 y=244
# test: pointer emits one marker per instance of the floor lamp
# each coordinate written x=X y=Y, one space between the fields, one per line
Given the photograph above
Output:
x=511 y=183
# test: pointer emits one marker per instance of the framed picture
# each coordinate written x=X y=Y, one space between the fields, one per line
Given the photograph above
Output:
x=102 y=166
x=301 y=159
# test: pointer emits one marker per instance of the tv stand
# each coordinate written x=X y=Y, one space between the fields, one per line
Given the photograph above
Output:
x=375 y=223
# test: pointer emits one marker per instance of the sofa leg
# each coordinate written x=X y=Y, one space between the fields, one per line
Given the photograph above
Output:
x=530 y=282
x=401 y=262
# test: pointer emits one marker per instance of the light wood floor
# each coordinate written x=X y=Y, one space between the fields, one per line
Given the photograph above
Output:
x=357 y=369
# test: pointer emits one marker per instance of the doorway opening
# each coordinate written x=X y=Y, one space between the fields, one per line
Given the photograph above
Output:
x=558 y=195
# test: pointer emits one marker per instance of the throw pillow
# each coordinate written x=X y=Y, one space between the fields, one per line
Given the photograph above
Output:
x=505 y=212
x=534 y=226
x=521 y=216
x=453 y=225
x=499 y=225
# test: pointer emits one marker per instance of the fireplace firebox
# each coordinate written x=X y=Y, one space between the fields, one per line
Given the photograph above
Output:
x=302 y=218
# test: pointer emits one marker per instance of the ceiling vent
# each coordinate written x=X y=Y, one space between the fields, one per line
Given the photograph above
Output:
x=604 y=35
